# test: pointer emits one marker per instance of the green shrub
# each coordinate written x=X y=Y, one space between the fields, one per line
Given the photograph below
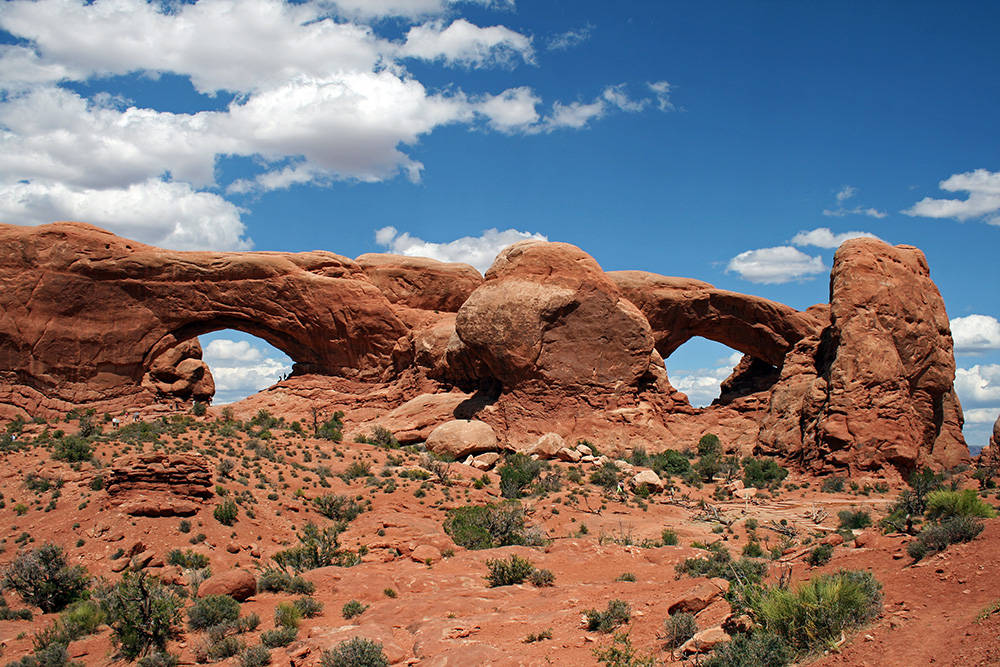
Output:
x=278 y=581
x=935 y=538
x=759 y=649
x=616 y=613
x=542 y=578
x=199 y=408
x=316 y=548
x=508 y=572
x=337 y=508
x=287 y=615
x=517 y=473
x=189 y=560
x=143 y=614
x=80 y=619
x=709 y=445
x=753 y=550
x=538 y=636
x=621 y=653
x=54 y=655
x=280 y=636
x=332 y=429
x=815 y=615
x=254 y=656
x=72 y=449
x=668 y=537
x=159 y=659
x=352 y=609
x=223 y=647
x=820 y=555
x=355 y=470
x=678 y=628
x=719 y=563
x=309 y=607
x=670 y=462
x=489 y=526
x=212 y=610
x=41 y=577
x=355 y=652
x=832 y=485
x=606 y=476
x=944 y=504
x=226 y=512
x=759 y=473
x=854 y=520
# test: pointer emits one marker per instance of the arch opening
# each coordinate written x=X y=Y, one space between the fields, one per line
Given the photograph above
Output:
x=242 y=364
x=712 y=373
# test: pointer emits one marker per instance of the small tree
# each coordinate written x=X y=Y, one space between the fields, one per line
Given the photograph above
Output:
x=42 y=578
x=143 y=614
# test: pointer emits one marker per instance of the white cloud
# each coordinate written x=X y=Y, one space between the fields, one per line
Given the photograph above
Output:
x=241 y=368
x=662 y=91
x=981 y=415
x=848 y=192
x=822 y=237
x=776 y=265
x=479 y=251
x=569 y=39
x=305 y=89
x=975 y=334
x=983 y=200
x=468 y=45
x=703 y=385
x=979 y=386
x=165 y=214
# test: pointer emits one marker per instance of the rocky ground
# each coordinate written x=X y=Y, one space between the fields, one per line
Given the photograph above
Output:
x=427 y=598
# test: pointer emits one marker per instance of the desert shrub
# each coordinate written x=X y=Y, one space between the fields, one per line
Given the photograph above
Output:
x=816 y=614
x=316 y=548
x=508 y=572
x=226 y=512
x=41 y=577
x=189 y=560
x=538 y=636
x=383 y=437
x=944 y=504
x=670 y=462
x=355 y=652
x=212 y=610
x=309 y=607
x=517 y=473
x=222 y=647
x=337 y=508
x=616 y=613
x=762 y=473
x=606 y=476
x=678 y=628
x=832 y=485
x=355 y=470
x=668 y=537
x=709 y=445
x=820 y=555
x=332 y=429
x=54 y=655
x=199 y=408
x=542 y=578
x=719 y=563
x=280 y=636
x=639 y=457
x=279 y=581
x=72 y=449
x=287 y=615
x=938 y=537
x=352 y=609
x=78 y=620
x=143 y=614
x=852 y=520
x=753 y=549
x=490 y=525
x=159 y=659
x=759 y=649
x=621 y=653
x=254 y=656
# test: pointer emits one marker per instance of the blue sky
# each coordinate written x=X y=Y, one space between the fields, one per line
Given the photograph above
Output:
x=714 y=140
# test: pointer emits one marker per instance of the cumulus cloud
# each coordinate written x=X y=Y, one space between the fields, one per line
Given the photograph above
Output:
x=479 y=251
x=975 y=334
x=981 y=415
x=241 y=368
x=702 y=385
x=662 y=91
x=468 y=45
x=822 y=237
x=978 y=386
x=983 y=200
x=781 y=264
x=307 y=90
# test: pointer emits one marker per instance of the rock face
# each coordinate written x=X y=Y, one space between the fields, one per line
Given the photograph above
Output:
x=545 y=343
x=182 y=475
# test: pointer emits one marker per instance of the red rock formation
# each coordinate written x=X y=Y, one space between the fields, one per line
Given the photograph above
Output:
x=547 y=343
x=158 y=484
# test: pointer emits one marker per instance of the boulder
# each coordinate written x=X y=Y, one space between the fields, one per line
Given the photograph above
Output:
x=705 y=641
x=462 y=437
x=237 y=584
x=546 y=447
x=426 y=553
x=569 y=455
x=699 y=597
x=649 y=478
